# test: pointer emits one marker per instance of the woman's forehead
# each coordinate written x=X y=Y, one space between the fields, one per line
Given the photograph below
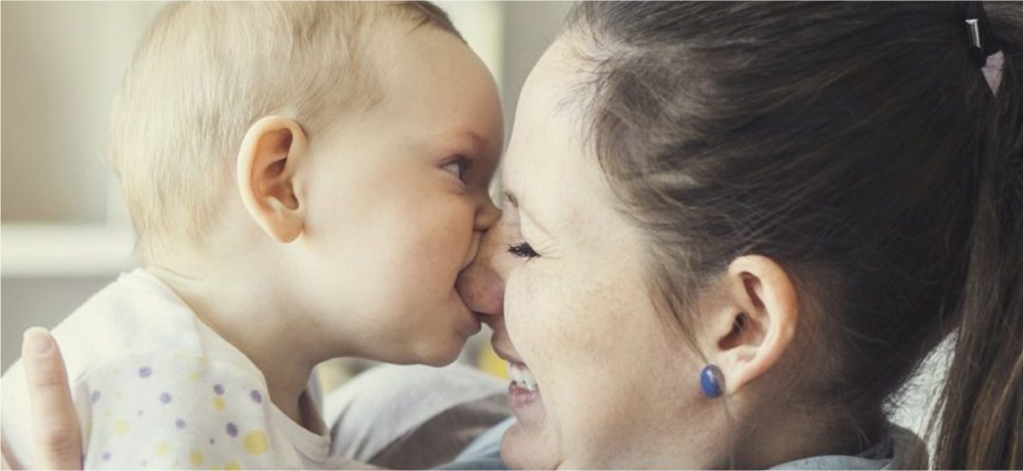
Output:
x=547 y=169
x=547 y=130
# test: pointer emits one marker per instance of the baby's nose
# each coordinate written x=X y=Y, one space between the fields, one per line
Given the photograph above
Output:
x=487 y=216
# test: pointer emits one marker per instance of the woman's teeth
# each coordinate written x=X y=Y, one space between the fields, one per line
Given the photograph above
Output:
x=521 y=376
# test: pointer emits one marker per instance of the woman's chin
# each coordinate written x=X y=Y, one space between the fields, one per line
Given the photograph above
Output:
x=523 y=448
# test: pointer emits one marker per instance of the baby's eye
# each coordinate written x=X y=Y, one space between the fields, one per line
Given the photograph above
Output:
x=523 y=250
x=457 y=168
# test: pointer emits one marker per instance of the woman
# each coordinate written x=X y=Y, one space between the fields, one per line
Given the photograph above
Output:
x=734 y=230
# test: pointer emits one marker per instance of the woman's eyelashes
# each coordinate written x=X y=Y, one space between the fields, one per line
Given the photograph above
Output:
x=458 y=167
x=522 y=250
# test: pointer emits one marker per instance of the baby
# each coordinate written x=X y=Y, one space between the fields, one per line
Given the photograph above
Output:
x=307 y=180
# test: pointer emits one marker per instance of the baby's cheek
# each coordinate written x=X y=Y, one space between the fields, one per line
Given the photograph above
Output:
x=444 y=239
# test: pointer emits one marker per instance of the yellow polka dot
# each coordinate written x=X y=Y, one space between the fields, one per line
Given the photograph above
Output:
x=193 y=376
x=163 y=449
x=219 y=403
x=233 y=465
x=197 y=457
x=256 y=442
x=119 y=394
x=121 y=427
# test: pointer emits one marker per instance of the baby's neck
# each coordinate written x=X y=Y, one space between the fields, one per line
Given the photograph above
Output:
x=245 y=311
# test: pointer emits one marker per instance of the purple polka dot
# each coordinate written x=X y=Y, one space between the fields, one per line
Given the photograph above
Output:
x=106 y=456
x=218 y=389
x=96 y=396
x=180 y=423
x=145 y=371
x=232 y=429
x=255 y=396
x=165 y=398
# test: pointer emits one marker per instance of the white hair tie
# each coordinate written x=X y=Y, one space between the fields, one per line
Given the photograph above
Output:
x=993 y=71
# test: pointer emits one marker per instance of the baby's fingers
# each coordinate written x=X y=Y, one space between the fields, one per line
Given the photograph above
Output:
x=55 y=433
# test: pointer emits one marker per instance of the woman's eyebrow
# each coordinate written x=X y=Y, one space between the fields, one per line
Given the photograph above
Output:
x=514 y=201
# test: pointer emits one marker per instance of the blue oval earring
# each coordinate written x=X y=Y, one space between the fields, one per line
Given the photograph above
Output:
x=710 y=381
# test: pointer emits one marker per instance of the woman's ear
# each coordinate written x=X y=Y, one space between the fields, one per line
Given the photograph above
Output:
x=755 y=326
x=273 y=148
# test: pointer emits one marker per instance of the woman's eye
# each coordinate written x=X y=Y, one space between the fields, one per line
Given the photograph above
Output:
x=522 y=250
x=457 y=168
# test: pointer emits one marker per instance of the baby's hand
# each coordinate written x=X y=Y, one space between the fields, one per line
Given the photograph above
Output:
x=56 y=437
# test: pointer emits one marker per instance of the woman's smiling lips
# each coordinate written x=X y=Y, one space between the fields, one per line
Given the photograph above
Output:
x=523 y=392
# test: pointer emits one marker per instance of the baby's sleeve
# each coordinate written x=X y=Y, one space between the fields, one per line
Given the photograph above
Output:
x=177 y=412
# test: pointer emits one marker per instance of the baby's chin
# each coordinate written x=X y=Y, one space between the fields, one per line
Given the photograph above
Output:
x=437 y=352
x=445 y=346
x=446 y=336
x=434 y=338
x=443 y=349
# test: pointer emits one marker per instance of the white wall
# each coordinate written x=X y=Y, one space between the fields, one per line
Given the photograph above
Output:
x=62 y=63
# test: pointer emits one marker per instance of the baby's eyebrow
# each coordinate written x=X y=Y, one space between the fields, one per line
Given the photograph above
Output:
x=461 y=138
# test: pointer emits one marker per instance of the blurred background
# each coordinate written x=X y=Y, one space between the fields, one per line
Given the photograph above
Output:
x=65 y=229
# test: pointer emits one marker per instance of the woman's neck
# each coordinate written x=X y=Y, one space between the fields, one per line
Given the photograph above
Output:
x=791 y=433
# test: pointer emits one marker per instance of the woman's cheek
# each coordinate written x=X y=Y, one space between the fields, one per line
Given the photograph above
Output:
x=517 y=300
x=520 y=299
x=533 y=313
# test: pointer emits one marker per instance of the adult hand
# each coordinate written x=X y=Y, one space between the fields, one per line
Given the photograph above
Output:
x=56 y=435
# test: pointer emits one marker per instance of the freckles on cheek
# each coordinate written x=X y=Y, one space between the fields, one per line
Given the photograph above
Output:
x=519 y=301
x=535 y=316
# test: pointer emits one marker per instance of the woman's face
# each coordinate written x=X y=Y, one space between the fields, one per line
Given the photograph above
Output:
x=603 y=382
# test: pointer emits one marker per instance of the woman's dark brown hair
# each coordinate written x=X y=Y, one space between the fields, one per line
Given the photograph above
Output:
x=857 y=145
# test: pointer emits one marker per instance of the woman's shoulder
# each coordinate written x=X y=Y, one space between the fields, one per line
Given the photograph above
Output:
x=900 y=449
x=488 y=464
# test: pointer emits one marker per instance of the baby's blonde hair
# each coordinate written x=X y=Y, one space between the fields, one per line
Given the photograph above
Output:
x=205 y=71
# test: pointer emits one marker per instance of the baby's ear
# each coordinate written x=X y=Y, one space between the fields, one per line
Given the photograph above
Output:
x=273 y=148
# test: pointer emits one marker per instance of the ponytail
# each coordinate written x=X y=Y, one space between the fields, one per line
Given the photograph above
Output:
x=979 y=414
